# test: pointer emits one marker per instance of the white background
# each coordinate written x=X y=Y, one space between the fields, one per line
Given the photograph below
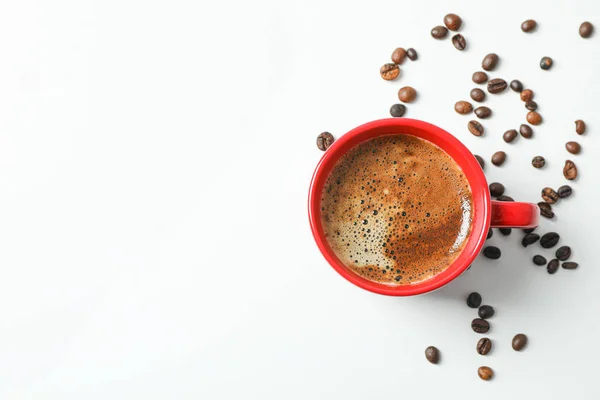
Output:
x=155 y=158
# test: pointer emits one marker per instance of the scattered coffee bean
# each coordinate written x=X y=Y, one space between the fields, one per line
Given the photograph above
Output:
x=432 y=354
x=389 y=71
x=528 y=25
x=496 y=189
x=490 y=233
x=534 y=118
x=549 y=195
x=549 y=240
x=564 y=191
x=480 y=161
x=480 y=325
x=484 y=345
x=586 y=29
x=474 y=300
x=526 y=131
x=527 y=95
x=570 y=170
x=570 y=265
x=480 y=77
x=545 y=209
x=485 y=373
x=505 y=231
x=573 y=147
x=412 y=54
x=538 y=161
x=452 y=22
x=580 y=127
x=483 y=112
x=539 y=260
x=530 y=238
x=475 y=128
x=529 y=230
x=552 y=266
x=509 y=135
x=439 y=32
x=324 y=140
x=516 y=85
x=407 y=94
x=463 y=107
x=563 y=253
x=531 y=105
x=478 y=95
x=497 y=85
x=398 y=55
x=505 y=198
x=546 y=63
x=519 y=341
x=459 y=41
x=486 y=312
x=498 y=158
x=490 y=61
x=492 y=252
x=397 y=110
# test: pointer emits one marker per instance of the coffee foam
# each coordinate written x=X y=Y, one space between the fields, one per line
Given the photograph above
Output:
x=396 y=209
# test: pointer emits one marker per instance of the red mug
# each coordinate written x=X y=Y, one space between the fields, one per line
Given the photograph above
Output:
x=486 y=213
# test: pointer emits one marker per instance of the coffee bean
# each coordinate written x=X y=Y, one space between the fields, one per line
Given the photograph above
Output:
x=528 y=25
x=539 y=260
x=510 y=135
x=432 y=354
x=549 y=240
x=463 y=107
x=407 y=94
x=586 y=29
x=480 y=77
x=527 y=95
x=580 y=127
x=573 y=147
x=530 y=238
x=516 y=86
x=474 y=300
x=439 y=32
x=563 y=253
x=485 y=373
x=534 y=118
x=552 y=266
x=519 y=341
x=564 y=191
x=505 y=198
x=570 y=170
x=570 y=265
x=483 y=112
x=549 y=195
x=490 y=233
x=397 y=110
x=545 y=209
x=480 y=161
x=498 y=158
x=546 y=63
x=478 y=95
x=452 y=22
x=459 y=41
x=389 y=71
x=492 y=252
x=497 y=85
x=399 y=55
x=480 y=325
x=531 y=105
x=484 y=345
x=526 y=131
x=505 y=231
x=496 y=189
x=475 y=128
x=490 y=61
x=486 y=312
x=529 y=230
x=324 y=140
x=412 y=54
x=538 y=161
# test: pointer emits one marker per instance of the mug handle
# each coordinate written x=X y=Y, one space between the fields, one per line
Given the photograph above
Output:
x=508 y=214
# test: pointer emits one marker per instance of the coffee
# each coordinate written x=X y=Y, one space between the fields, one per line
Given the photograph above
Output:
x=396 y=210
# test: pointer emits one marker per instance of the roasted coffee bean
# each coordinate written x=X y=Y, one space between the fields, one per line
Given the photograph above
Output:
x=490 y=233
x=539 y=260
x=492 y=252
x=483 y=112
x=439 y=32
x=480 y=77
x=432 y=354
x=527 y=95
x=529 y=230
x=552 y=266
x=580 y=127
x=505 y=198
x=475 y=128
x=549 y=195
x=397 y=110
x=538 y=161
x=510 y=135
x=498 y=158
x=486 y=312
x=526 y=131
x=480 y=325
x=497 y=85
x=586 y=29
x=570 y=170
x=505 y=231
x=485 y=373
x=490 y=61
x=546 y=63
x=478 y=95
x=324 y=140
x=570 y=265
x=389 y=71
x=407 y=94
x=452 y=22
x=474 y=300
x=398 y=55
x=412 y=54
x=564 y=191
x=480 y=161
x=534 y=118
x=459 y=41
x=516 y=86
x=463 y=107
x=573 y=147
x=530 y=238
x=549 y=240
x=484 y=345
x=528 y=25
x=531 y=105
x=563 y=253
x=545 y=209
x=519 y=341
x=496 y=189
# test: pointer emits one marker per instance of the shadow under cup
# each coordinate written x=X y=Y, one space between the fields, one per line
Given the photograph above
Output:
x=455 y=149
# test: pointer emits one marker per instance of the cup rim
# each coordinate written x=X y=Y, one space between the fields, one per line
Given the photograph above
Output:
x=452 y=146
